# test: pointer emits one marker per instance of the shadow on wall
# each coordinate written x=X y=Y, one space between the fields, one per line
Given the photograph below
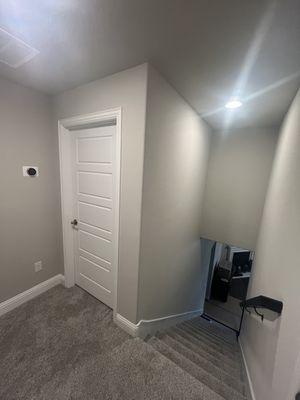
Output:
x=259 y=339
x=295 y=386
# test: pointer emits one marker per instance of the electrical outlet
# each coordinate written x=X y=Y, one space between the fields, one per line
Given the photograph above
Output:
x=38 y=266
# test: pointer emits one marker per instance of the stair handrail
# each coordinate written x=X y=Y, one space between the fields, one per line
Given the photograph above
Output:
x=262 y=302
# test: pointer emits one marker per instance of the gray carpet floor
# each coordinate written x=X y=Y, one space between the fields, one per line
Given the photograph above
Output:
x=64 y=345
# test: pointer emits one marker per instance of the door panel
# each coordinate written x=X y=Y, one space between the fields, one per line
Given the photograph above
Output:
x=98 y=216
x=96 y=272
x=97 y=260
x=98 y=201
x=96 y=245
x=95 y=149
x=95 y=184
x=94 y=209
x=95 y=231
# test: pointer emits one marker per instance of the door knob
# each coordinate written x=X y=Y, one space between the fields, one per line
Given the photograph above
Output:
x=74 y=222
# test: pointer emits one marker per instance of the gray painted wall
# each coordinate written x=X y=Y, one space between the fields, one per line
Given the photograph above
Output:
x=176 y=154
x=29 y=208
x=272 y=348
x=239 y=168
x=128 y=90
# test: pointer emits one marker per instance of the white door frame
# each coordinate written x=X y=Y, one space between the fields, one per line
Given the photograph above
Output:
x=65 y=127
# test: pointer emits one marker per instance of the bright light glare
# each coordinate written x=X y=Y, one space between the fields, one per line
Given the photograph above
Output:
x=233 y=103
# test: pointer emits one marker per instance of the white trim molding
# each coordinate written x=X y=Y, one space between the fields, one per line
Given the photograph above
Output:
x=65 y=128
x=151 y=326
x=126 y=325
x=249 y=381
x=29 y=294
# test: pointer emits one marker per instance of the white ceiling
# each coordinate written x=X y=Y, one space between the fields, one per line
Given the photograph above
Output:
x=209 y=50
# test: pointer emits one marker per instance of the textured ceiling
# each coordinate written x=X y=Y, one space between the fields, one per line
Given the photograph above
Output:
x=209 y=50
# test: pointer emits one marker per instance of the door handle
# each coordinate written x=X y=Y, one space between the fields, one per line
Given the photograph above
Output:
x=74 y=222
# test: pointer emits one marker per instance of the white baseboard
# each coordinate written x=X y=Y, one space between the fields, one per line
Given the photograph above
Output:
x=29 y=294
x=148 y=327
x=126 y=325
x=250 y=385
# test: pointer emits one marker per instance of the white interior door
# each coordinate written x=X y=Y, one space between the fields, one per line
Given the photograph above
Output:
x=94 y=177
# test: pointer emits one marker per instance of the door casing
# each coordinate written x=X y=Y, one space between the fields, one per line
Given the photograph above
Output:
x=65 y=130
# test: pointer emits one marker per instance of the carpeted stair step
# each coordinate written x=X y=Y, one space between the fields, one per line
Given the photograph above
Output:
x=196 y=371
x=215 y=329
x=205 y=393
x=198 y=344
x=212 y=337
x=233 y=371
x=231 y=353
x=205 y=364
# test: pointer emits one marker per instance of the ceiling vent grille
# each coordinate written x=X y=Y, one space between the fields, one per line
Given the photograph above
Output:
x=13 y=51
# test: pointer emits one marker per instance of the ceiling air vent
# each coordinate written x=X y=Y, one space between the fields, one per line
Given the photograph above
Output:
x=13 y=51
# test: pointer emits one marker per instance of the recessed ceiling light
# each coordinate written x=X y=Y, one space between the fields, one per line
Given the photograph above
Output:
x=233 y=103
